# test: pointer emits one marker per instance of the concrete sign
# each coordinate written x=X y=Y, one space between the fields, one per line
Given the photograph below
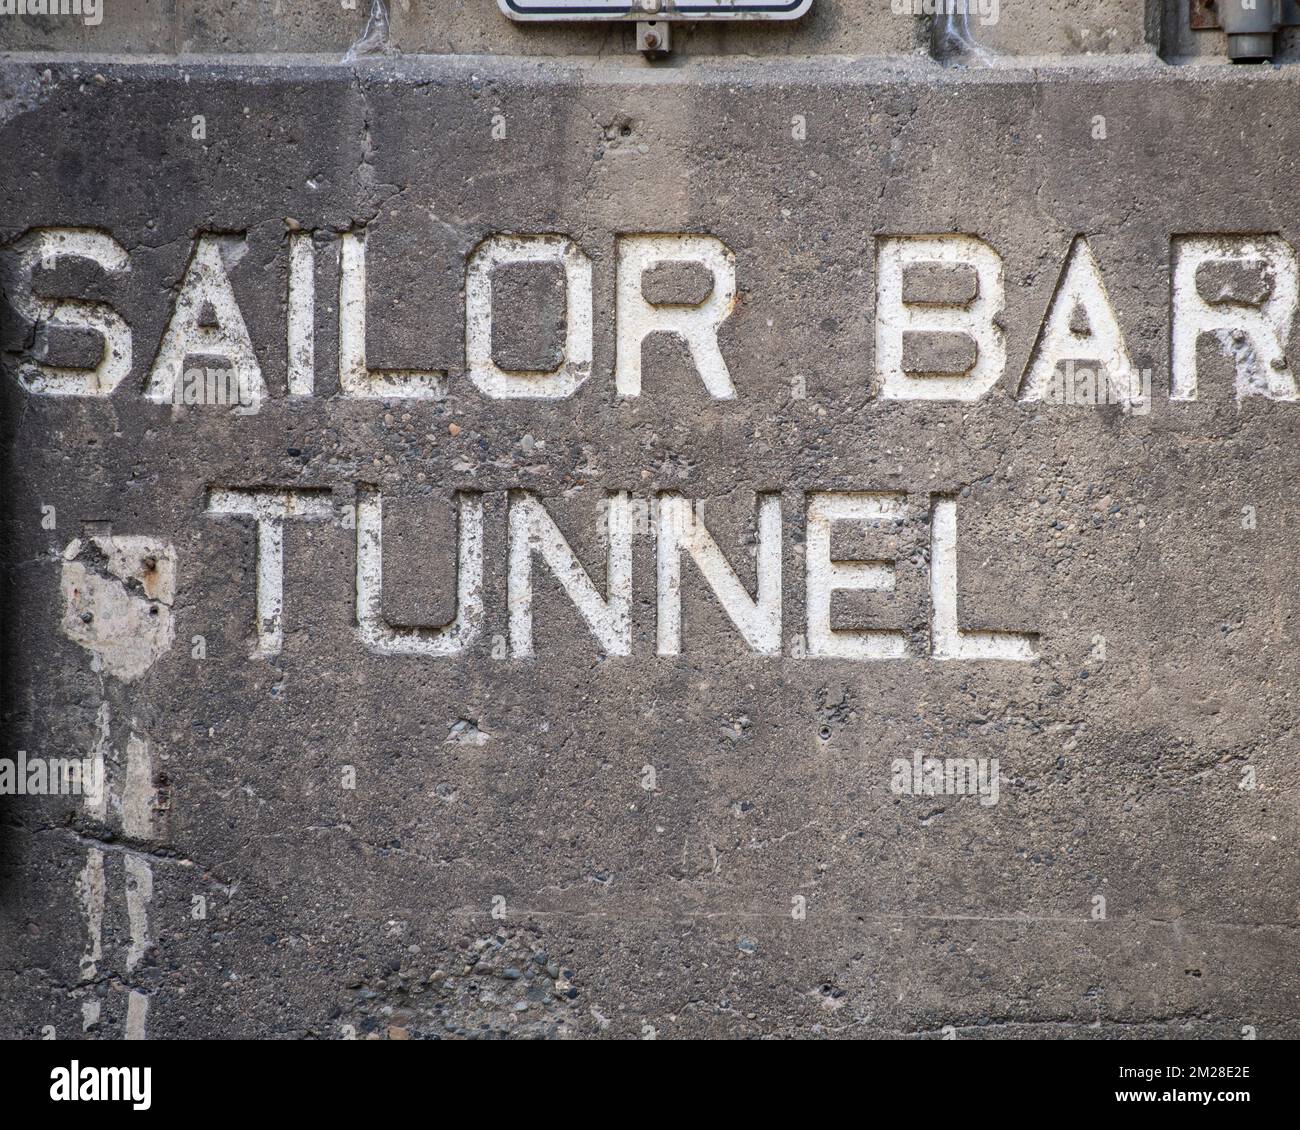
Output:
x=584 y=548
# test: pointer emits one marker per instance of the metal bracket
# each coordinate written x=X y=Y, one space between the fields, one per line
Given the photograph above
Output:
x=654 y=38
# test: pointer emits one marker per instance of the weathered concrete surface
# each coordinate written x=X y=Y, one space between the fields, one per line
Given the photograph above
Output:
x=1011 y=29
x=628 y=911
x=445 y=27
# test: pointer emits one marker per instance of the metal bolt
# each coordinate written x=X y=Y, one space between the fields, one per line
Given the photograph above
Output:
x=654 y=37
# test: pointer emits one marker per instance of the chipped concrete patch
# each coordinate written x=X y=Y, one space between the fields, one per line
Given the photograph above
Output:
x=118 y=594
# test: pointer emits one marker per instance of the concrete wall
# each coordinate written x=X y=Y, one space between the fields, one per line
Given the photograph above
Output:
x=834 y=27
x=1018 y=28
x=327 y=816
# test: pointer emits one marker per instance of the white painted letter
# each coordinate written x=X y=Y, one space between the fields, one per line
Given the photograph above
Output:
x=697 y=326
x=451 y=639
x=759 y=621
x=826 y=575
x=532 y=530
x=356 y=379
x=45 y=246
x=270 y=509
x=502 y=384
x=205 y=290
x=974 y=320
x=1253 y=331
x=1080 y=287
x=947 y=640
x=302 y=315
